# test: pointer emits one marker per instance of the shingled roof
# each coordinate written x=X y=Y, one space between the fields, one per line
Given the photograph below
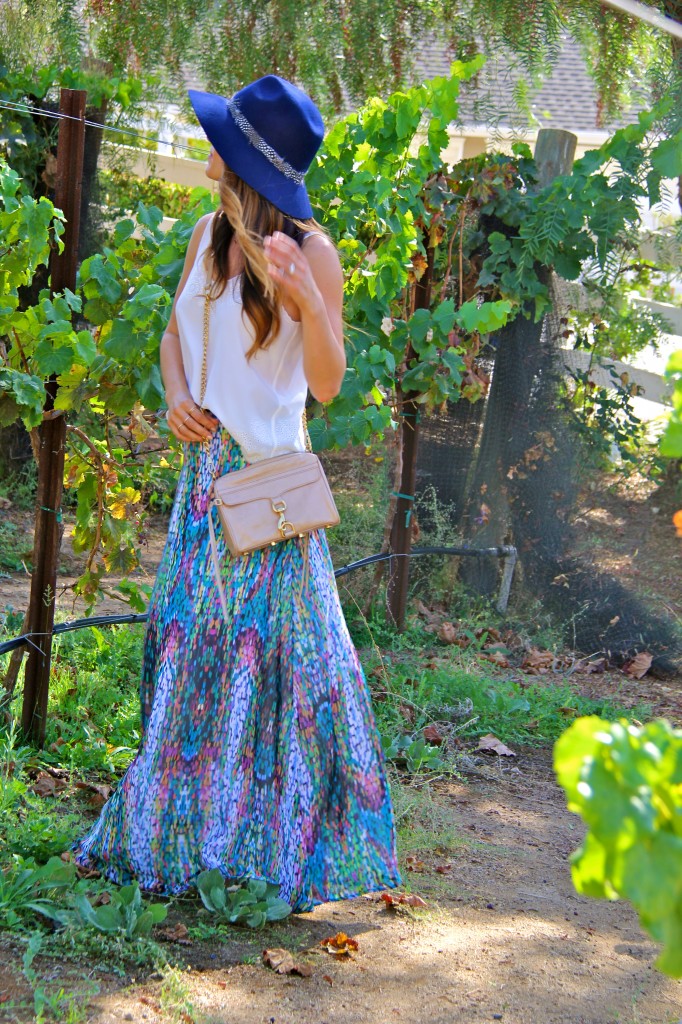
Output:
x=567 y=98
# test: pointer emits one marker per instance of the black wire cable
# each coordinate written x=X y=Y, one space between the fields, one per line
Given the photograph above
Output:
x=26 y=108
x=115 y=620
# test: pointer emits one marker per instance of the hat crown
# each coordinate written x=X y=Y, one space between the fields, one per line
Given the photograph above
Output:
x=268 y=134
x=285 y=117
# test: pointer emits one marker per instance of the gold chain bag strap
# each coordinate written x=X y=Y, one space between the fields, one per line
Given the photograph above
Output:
x=270 y=501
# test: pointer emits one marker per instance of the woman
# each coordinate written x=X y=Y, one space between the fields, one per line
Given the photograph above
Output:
x=259 y=752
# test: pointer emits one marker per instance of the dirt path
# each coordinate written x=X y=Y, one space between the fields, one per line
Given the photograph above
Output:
x=505 y=936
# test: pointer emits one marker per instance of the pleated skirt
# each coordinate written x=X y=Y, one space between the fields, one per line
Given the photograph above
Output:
x=259 y=753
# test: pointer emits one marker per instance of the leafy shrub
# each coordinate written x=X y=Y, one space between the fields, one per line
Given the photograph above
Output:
x=126 y=914
x=412 y=753
x=625 y=781
x=28 y=888
x=251 y=903
x=123 y=191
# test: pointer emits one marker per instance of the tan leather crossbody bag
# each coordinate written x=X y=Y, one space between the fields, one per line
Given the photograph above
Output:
x=270 y=501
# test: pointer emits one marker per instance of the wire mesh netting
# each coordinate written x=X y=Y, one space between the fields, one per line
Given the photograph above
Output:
x=508 y=469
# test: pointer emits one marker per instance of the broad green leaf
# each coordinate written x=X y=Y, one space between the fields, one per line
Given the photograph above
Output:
x=667 y=157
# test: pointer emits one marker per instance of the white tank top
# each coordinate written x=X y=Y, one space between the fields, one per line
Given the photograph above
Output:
x=260 y=400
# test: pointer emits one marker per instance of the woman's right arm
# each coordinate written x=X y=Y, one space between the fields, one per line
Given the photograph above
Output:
x=186 y=420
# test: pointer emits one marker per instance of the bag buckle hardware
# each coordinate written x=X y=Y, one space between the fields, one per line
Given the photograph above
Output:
x=284 y=526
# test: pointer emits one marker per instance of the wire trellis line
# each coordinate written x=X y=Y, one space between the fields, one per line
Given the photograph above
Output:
x=505 y=551
x=25 y=108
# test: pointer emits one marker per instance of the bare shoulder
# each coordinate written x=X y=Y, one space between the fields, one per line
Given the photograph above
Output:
x=321 y=251
x=200 y=225
x=316 y=242
x=196 y=237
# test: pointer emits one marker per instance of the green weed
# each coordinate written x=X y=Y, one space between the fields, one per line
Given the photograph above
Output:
x=62 y=1007
x=16 y=549
x=18 y=485
x=27 y=889
x=469 y=702
x=253 y=902
x=423 y=823
x=174 y=996
x=94 y=709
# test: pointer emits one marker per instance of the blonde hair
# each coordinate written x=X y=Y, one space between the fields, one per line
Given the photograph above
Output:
x=248 y=217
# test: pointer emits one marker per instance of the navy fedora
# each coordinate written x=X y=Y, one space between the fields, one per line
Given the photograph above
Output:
x=267 y=133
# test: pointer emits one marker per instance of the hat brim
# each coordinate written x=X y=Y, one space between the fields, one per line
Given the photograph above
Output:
x=245 y=160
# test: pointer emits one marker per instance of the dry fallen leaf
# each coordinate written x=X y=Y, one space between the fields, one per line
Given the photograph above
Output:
x=340 y=944
x=282 y=962
x=147 y=1001
x=639 y=665
x=537 y=662
x=99 y=793
x=393 y=901
x=47 y=785
x=447 y=633
x=491 y=744
x=428 y=614
x=498 y=658
x=175 y=933
x=414 y=901
x=443 y=869
x=414 y=863
x=432 y=734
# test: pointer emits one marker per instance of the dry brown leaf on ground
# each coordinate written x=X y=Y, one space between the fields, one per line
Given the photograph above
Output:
x=414 y=863
x=447 y=633
x=99 y=793
x=595 y=667
x=340 y=945
x=431 y=617
x=175 y=933
x=491 y=634
x=498 y=658
x=394 y=901
x=432 y=734
x=413 y=900
x=537 y=662
x=490 y=744
x=47 y=785
x=282 y=962
x=148 y=1001
x=408 y=713
x=639 y=665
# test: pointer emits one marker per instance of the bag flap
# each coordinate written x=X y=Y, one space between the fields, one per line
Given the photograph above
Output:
x=232 y=489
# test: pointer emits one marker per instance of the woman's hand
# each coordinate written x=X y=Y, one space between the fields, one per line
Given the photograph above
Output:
x=188 y=422
x=290 y=270
x=312 y=281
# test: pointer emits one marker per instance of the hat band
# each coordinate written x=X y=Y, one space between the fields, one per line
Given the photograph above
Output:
x=262 y=146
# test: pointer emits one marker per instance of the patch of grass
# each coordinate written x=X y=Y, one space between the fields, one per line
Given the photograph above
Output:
x=18 y=485
x=466 y=700
x=93 y=721
x=15 y=547
x=423 y=822
x=174 y=996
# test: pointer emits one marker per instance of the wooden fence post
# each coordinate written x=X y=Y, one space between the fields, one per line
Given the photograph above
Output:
x=409 y=410
x=48 y=528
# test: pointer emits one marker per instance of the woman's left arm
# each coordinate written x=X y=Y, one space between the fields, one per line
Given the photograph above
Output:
x=310 y=277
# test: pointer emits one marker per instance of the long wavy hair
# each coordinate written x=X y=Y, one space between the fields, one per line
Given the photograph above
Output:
x=248 y=216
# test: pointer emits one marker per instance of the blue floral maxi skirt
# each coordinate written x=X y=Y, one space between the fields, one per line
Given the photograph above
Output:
x=259 y=753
